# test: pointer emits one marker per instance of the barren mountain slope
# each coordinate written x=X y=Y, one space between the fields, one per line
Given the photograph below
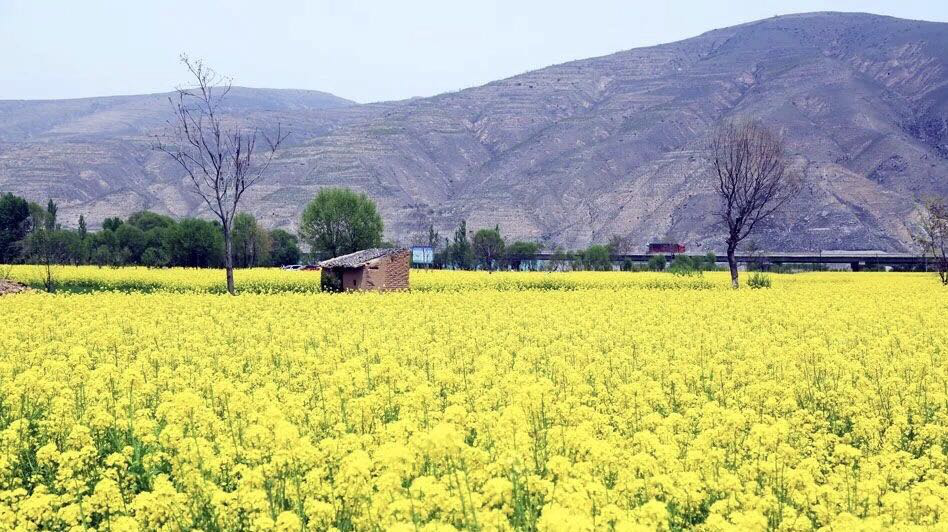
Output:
x=574 y=153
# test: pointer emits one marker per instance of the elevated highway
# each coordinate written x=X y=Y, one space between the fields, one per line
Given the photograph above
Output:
x=857 y=260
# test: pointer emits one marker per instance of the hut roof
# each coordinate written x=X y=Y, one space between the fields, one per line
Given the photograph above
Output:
x=359 y=258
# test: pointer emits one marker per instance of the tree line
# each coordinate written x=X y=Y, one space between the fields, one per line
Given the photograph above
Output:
x=32 y=233
x=337 y=221
x=486 y=249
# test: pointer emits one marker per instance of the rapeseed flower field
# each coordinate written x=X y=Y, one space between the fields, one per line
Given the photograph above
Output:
x=574 y=401
x=190 y=280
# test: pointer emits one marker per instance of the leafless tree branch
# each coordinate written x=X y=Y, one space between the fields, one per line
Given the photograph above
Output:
x=219 y=156
x=750 y=169
x=931 y=235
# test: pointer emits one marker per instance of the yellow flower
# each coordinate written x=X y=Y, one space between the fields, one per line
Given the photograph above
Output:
x=287 y=522
x=504 y=401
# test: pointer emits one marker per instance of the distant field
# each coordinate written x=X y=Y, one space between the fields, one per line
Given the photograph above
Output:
x=275 y=280
x=141 y=279
x=568 y=401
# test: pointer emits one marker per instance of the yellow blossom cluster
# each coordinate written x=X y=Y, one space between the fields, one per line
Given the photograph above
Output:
x=575 y=401
x=142 y=279
x=275 y=280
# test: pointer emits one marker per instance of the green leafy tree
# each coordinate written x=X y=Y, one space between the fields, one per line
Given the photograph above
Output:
x=102 y=255
x=196 y=243
x=111 y=224
x=462 y=254
x=284 y=248
x=157 y=237
x=131 y=242
x=51 y=248
x=70 y=244
x=517 y=252
x=596 y=257
x=251 y=242
x=155 y=257
x=104 y=238
x=339 y=221
x=443 y=253
x=147 y=220
x=85 y=251
x=157 y=229
x=85 y=243
x=14 y=226
x=488 y=247
x=37 y=216
x=50 y=220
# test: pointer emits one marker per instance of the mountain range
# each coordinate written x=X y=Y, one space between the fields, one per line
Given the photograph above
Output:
x=567 y=155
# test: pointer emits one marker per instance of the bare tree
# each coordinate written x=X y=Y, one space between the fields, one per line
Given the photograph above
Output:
x=932 y=235
x=620 y=245
x=220 y=157
x=752 y=178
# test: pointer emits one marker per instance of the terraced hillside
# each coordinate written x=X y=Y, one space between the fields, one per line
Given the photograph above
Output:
x=570 y=154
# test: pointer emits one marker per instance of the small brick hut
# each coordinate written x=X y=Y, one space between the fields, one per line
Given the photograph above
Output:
x=369 y=269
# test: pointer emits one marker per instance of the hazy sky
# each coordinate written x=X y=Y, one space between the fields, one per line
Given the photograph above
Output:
x=362 y=50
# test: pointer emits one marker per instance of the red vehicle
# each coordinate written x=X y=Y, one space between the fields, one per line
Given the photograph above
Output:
x=666 y=247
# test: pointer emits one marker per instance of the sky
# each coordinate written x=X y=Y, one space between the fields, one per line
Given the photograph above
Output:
x=364 y=50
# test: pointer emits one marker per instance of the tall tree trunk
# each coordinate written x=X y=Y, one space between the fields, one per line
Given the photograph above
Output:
x=229 y=260
x=732 y=264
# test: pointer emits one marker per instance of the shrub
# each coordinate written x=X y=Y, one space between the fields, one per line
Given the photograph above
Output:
x=758 y=280
x=710 y=260
x=657 y=263
x=683 y=265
